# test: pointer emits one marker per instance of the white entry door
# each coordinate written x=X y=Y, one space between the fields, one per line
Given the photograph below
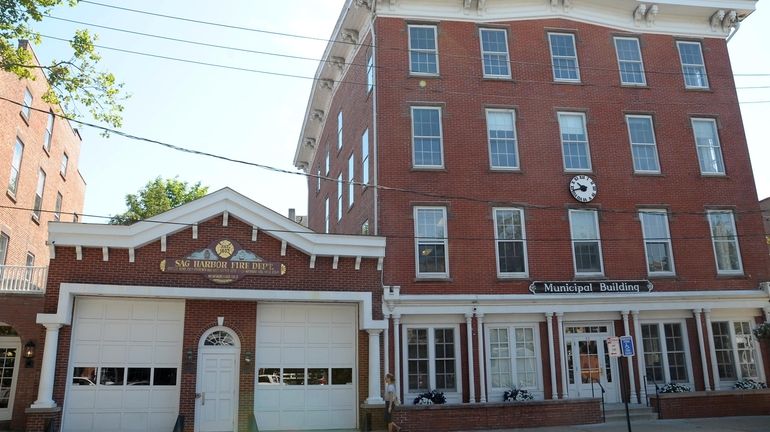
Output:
x=217 y=390
x=9 y=371
x=590 y=368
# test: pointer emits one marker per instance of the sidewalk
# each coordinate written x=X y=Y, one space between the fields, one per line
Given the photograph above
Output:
x=717 y=424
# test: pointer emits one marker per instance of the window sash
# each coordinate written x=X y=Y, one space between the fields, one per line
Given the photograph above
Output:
x=586 y=244
x=693 y=65
x=423 y=50
x=513 y=358
x=326 y=215
x=657 y=242
x=26 y=108
x=644 y=149
x=339 y=197
x=510 y=242
x=727 y=252
x=431 y=359
x=564 y=59
x=339 y=130
x=494 y=53
x=351 y=179
x=39 y=194
x=365 y=157
x=48 y=135
x=736 y=350
x=502 y=140
x=4 y=239
x=630 y=62
x=708 y=146
x=665 y=352
x=18 y=154
x=370 y=73
x=431 y=254
x=57 y=208
x=576 y=153
x=427 y=139
x=64 y=162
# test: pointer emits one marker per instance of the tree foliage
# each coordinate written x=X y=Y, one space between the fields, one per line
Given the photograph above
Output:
x=158 y=196
x=74 y=83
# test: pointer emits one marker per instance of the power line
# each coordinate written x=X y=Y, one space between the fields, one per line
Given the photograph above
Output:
x=355 y=183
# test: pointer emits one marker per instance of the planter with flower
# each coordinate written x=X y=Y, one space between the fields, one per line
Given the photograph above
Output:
x=517 y=395
x=762 y=331
x=749 y=384
x=675 y=388
x=433 y=397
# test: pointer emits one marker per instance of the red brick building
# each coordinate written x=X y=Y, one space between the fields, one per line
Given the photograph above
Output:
x=548 y=174
x=213 y=311
x=39 y=155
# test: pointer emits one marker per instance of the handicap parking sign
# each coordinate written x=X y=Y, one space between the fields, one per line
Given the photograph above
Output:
x=627 y=346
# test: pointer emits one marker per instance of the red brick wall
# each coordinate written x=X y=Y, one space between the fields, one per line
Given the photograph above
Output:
x=414 y=418
x=714 y=404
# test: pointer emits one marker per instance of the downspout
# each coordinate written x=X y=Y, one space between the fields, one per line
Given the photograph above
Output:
x=736 y=26
x=375 y=171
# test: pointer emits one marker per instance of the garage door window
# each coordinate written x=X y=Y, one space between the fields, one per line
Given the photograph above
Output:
x=118 y=376
x=111 y=376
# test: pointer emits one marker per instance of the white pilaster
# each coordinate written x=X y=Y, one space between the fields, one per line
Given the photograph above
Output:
x=386 y=345
x=640 y=368
x=551 y=355
x=699 y=327
x=482 y=357
x=374 y=368
x=562 y=355
x=397 y=352
x=712 y=351
x=471 y=369
x=631 y=376
x=48 y=367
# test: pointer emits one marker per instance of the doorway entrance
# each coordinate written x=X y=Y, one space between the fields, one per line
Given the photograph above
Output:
x=216 y=394
x=10 y=347
x=589 y=366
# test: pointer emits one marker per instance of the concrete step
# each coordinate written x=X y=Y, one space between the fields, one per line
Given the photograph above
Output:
x=616 y=414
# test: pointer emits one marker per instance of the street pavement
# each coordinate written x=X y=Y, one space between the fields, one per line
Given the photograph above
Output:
x=717 y=424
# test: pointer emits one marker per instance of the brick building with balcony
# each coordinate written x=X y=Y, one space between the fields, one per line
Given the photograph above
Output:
x=547 y=174
x=39 y=155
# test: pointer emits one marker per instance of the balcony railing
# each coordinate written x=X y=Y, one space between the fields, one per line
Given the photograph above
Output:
x=23 y=279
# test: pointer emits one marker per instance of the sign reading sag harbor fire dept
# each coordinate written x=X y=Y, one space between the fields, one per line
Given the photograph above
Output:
x=592 y=287
x=224 y=261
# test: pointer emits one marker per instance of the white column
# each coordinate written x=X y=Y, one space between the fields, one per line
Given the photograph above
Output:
x=386 y=345
x=397 y=353
x=631 y=376
x=482 y=357
x=374 y=367
x=767 y=314
x=699 y=327
x=562 y=355
x=640 y=369
x=712 y=351
x=48 y=367
x=471 y=369
x=551 y=355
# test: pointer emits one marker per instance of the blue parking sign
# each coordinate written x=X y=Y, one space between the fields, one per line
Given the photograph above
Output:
x=627 y=346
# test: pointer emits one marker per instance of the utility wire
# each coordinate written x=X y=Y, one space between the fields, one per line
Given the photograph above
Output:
x=354 y=183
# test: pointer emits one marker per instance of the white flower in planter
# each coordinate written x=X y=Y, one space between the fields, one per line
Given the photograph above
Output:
x=675 y=388
x=749 y=384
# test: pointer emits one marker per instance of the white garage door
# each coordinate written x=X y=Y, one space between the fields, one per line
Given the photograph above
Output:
x=306 y=363
x=124 y=369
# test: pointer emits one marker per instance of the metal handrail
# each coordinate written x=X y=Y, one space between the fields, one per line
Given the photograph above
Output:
x=23 y=279
x=596 y=381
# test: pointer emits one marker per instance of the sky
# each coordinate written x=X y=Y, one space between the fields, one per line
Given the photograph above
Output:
x=258 y=117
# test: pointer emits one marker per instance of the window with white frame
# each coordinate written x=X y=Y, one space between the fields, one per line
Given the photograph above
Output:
x=657 y=242
x=326 y=215
x=574 y=142
x=365 y=157
x=423 y=50
x=339 y=130
x=339 y=197
x=736 y=350
x=494 y=53
x=510 y=240
x=586 y=244
x=644 y=150
x=4 y=239
x=430 y=232
x=13 y=181
x=724 y=239
x=365 y=228
x=707 y=144
x=564 y=57
x=370 y=72
x=48 y=132
x=427 y=139
x=351 y=179
x=501 y=133
x=26 y=107
x=57 y=208
x=327 y=162
x=64 y=163
x=431 y=359
x=318 y=180
x=665 y=353
x=630 y=61
x=693 y=66
x=513 y=358
x=39 y=194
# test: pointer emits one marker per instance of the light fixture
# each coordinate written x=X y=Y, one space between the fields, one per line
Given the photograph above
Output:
x=247 y=357
x=189 y=355
x=29 y=354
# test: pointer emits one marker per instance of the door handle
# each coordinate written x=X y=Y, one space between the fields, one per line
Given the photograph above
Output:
x=202 y=397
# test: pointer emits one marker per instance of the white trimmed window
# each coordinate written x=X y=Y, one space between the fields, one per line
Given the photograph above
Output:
x=4 y=239
x=510 y=242
x=513 y=358
x=657 y=242
x=501 y=133
x=708 y=146
x=339 y=130
x=427 y=147
x=328 y=164
x=365 y=228
x=494 y=53
x=39 y=194
x=65 y=160
x=693 y=66
x=318 y=180
x=26 y=108
x=432 y=355
x=586 y=244
x=430 y=232
x=574 y=142
x=423 y=50
x=48 y=132
x=564 y=57
x=736 y=352
x=351 y=179
x=370 y=73
x=643 y=147
x=13 y=181
x=630 y=61
x=326 y=215
x=665 y=351
x=365 y=157
x=724 y=239
x=339 y=197
x=57 y=208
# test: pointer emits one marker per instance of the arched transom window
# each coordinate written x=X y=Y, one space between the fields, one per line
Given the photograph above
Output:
x=219 y=338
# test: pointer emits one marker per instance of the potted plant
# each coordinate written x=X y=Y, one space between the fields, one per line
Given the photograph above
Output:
x=762 y=331
x=675 y=388
x=749 y=384
x=430 y=398
x=516 y=395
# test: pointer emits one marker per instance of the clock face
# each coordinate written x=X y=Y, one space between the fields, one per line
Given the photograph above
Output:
x=583 y=188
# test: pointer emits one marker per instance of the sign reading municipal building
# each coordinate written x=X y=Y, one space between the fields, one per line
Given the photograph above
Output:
x=592 y=287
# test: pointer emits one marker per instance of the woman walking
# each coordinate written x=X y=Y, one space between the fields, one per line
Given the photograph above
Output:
x=391 y=399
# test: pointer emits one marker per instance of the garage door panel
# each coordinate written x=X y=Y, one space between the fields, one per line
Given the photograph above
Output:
x=137 y=399
x=107 y=421
x=341 y=356
x=318 y=356
x=319 y=316
x=341 y=397
x=316 y=417
x=139 y=354
x=266 y=356
x=108 y=398
x=267 y=398
x=170 y=312
x=113 y=354
x=318 y=399
x=115 y=331
x=269 y=334
x=135 y=421
x=167 y=354
x=82 y=399
x=142 y=332
x=86 y=353
x=294 y=335
x=164 y=399
x=140 y=311
x=88 y=331
x=91 y=310
x=344 y=316
x=293 y=419
x=292 y=314
x=318 y=335
x=293 y=356
x=162 y=421
x=341 y=335
x=342 y=418
x=117 y=310
x=293 y=399
x=168 y=332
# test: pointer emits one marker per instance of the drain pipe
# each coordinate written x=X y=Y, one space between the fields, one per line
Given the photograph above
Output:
x=736 y=26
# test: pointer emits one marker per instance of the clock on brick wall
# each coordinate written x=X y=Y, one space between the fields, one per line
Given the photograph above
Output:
x=582 y=188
